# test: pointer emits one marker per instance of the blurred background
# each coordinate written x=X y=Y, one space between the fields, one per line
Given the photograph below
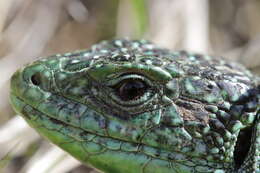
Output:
x=31 y=29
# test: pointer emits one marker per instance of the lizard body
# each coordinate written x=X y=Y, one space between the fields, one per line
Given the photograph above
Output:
x=128 y=106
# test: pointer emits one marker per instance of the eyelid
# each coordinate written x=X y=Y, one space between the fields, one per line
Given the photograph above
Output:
x=114 y=82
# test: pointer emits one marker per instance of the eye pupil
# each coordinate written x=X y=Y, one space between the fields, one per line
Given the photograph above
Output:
x=132 y=89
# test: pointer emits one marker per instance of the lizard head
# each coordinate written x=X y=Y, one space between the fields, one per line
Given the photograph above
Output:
x=128 y=106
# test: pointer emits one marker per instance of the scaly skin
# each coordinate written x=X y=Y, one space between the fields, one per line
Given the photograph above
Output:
x=128 y=107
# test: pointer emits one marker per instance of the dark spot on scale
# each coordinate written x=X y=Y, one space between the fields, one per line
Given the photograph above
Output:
x=158 y=153
x=83 y=134
x=211 y=74
x=209 y=140
x=138 y=137
x=210 y=86
x=167 y=119
x=186 y=105
x=224 y=107
x=250 y=96
x=236 y=109
x=162 y=140
x=216 y=124
x=170 y=156
x=251 y=106
x=118 y=127
x=102 y=123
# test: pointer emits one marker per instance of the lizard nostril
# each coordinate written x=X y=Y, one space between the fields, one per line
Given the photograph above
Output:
x=36 y=79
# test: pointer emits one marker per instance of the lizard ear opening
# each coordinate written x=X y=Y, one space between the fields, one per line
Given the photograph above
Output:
x=242 y=145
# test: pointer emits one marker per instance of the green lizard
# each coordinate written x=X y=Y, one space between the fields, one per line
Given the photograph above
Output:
x=130 y=107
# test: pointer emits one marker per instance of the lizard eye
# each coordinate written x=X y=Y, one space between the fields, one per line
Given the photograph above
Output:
x=131 y=89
